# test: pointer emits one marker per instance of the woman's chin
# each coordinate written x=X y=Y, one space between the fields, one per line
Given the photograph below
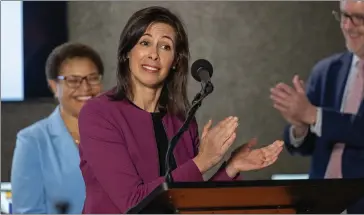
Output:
x=152 y=84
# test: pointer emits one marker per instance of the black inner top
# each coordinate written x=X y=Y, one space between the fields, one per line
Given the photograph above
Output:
x=161 y=140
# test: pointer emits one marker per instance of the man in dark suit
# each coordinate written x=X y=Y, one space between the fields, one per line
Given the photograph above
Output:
x=327 y=119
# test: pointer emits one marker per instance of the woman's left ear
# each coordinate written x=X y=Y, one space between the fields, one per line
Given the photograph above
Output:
x=125 y=57
x=175 y=62
x=174 y=65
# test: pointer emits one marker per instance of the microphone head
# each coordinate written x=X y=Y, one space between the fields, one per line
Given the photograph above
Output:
x=62 y=207
x=200 y=64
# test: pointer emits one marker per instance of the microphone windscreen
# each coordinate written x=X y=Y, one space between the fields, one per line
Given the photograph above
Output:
x=201 y=64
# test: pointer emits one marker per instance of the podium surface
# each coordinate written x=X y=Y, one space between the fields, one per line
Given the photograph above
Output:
x=255 y=197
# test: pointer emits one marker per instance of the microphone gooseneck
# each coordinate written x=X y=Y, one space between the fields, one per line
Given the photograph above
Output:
x=201 y=71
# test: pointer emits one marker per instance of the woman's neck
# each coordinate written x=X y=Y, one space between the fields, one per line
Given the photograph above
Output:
x=71 y=123
x=147 y=98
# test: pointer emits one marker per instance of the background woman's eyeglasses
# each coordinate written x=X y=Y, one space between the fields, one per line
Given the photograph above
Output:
x=73 y=81
x=356 y=19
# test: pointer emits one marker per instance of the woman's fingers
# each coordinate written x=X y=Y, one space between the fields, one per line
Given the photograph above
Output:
x=272 y=151
x=224 y=129
x=228 y=143
x=273 y=154
x=206 y=128
x=262 y=162
x=230 y=129
x=228 y=126
x=276 y=145
x=218 y=130
x=222 y=123
x=270 y=162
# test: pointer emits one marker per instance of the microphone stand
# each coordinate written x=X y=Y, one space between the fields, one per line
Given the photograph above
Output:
x=207 y=88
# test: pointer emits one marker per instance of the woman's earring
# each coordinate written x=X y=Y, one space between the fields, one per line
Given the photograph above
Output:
x=125 y=58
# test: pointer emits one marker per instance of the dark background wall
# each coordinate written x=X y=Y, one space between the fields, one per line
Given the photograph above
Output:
x=252 y=45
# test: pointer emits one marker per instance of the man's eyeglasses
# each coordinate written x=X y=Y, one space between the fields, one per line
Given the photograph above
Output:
x=74 y=81
x=356 y=19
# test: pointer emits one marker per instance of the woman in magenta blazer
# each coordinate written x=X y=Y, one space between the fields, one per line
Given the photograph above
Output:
x=125 y=132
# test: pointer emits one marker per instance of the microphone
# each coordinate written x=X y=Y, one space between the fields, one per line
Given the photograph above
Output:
x=201 y=71
x=62 y=207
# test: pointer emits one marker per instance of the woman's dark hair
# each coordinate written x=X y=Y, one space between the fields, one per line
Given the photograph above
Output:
x=174 y=93
x=68 y=51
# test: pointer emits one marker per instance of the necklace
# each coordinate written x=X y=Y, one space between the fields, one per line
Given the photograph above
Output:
x=74 y=133
x=75 y=137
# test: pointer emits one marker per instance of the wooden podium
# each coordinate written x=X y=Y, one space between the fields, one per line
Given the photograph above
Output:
x=327 y=196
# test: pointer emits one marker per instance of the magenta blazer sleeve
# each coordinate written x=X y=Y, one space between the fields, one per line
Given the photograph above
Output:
x=105 y=161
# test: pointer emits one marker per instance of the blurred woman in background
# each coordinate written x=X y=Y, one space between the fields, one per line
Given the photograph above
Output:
x=45 y=170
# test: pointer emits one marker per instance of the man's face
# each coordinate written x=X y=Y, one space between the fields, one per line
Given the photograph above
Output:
x=352 y=25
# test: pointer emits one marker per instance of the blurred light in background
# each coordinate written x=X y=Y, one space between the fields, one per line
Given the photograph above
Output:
x=6 y=203
x=30 y=30
x=12 y=51
x=289 y=176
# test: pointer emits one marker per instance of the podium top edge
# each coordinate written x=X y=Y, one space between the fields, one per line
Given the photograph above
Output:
x=262 y=183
